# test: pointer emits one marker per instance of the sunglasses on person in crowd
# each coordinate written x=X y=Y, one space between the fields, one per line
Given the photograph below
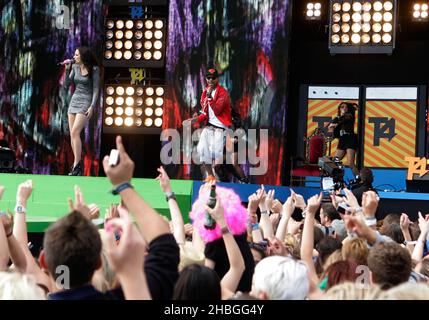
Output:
x=210 y=78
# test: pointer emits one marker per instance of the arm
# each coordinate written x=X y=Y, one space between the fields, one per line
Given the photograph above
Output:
x=404 y=223
x=265 y=222
x=176 y=215
x=417 y=254
x=95 y=86
x=232 y=278
x=4 y=249
x=288 y=209
x=17 y=254
x=149 y=221
x=69 y=76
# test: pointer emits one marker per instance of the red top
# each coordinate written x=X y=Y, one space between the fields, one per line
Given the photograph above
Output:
x=220 y=104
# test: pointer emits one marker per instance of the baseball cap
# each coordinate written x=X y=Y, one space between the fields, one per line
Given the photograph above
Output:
x=212 y=72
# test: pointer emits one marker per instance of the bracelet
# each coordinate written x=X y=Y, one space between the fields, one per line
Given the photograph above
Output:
x=225 y=230
x=121 y=188
x=264 y=212
x=170 y=195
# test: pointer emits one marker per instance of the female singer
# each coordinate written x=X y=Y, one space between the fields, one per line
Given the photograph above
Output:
x=85 y=74
x=343 y=129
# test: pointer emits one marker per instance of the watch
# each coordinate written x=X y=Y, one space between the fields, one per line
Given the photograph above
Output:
x=19 y=208
x=170 y=195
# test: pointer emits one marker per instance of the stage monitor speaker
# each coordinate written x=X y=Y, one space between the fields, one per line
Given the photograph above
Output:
x=421 y=186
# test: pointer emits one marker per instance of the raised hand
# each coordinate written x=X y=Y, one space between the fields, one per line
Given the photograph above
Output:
x=24 y=191
x=404 y=222
x=351 y=199
x=123 y=172
x=79 y=205
x=7 y=221
x=369 y=203
x=314 y=204
x=298 y=199
x=269 y=199
x=164 y=180
x=277 y=206
x=217 y=213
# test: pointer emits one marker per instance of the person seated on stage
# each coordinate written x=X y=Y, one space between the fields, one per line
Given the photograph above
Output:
x=343 y=128
x=366 y=179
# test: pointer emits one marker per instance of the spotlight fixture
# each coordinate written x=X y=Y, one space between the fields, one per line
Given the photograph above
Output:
x=133 y=108
x=421 y=11
x=362 y=26
x=313 y=11
x=135 y=42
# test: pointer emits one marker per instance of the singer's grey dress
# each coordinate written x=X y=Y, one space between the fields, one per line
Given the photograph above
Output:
x=86 y=89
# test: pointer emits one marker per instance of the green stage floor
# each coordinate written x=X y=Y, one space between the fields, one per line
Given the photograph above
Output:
x=48 y=201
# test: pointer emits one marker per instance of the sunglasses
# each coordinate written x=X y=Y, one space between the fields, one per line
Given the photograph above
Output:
x=211 y=78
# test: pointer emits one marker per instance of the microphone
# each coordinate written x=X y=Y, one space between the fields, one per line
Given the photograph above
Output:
x=67 y=61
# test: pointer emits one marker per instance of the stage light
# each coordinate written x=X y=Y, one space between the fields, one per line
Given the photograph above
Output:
x=136 y=43
x=313 y=11
x=420 y=11
x=362 y=26
x=133 y=108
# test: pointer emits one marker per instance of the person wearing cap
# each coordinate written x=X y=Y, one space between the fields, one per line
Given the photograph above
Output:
x=215 y=117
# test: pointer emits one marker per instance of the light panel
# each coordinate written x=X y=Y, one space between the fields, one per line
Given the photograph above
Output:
x=313 y=11
x=420 y=11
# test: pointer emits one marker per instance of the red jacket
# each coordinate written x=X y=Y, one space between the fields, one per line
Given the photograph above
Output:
x=220 y=104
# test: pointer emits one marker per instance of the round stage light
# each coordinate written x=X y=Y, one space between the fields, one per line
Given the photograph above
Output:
x=158 y=34
x=119 y=101
x=376 y=27
x=110 y=101
x=148 y=45
x=139 y=24
x=138 y=45
x=149 y=102
x=119 y=121
x=356 y=17
x=129 y=24
x=336 y=17
x=377 y=17
x=310 y=13
x=159 y=24
x=109 y=34
x=139 y=101
x=118 y=44
x=149 y=91
x=345 y=38
x=317 y=6
x=387 y=38
x=137 y=55
x=336 y=7
x=129 y=111
x=157 y=44
x=119 y=34
x=388 y=5
x=355 y=38
x=357 y=6
x=159 y=102
x=120 y=91
x=387 y=27
x=417 y=6
x=366 y=27
x=365 y=38
x=119 y=111
x=108 y=121
x=425 y=7
x=387 y=16
x=139 y=91
x=108 y=54
x=148 y=112
x=129 y=101
x=378 y=6
x=147 y=55
x=110 y=90
x=345 y=27
x=129 y=121
x=109 y=111
x=345 y=17
x=346 y=6
x=310 y=6
x=128 y=55
x=138 y=122
x=356 y=27
x=138 y=35
x=129 y=91
x=128 y=44
x=148 y=24
x=110 y=24
x=138 y=112
x=148 y=122
x=416 y=14
x=148 y=34
x=159 y=112
x=376 y=38
x=109 y=44
x=158 y=122
x=119 y=24
x=159 y=91
x=335 y=38
x=157 y=55
x=336 y=28
x=367 y=6
x=128 y=34
x=317 y=13
x=424 y=14
x=366 y=17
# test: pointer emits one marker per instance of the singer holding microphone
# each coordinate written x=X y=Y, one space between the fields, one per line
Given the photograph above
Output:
x=84 y=71
x=343 y=129
x=215 y=116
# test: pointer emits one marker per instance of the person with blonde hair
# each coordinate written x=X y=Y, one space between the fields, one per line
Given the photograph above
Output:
x=407 y=291
x=355 y=249
x=353 y=291
x=18 y=286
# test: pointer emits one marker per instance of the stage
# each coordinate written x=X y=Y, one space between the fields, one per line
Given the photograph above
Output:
x=48 y=201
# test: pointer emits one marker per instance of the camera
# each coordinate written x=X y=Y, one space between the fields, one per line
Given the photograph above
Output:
x=332 y=172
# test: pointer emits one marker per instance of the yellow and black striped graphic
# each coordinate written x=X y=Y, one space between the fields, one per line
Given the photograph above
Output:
x=390 y=133
x=319 y=110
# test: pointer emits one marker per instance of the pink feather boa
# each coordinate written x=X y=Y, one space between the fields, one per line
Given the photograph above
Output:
x=235 y=214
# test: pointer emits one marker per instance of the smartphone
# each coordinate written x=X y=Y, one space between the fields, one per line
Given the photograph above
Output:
x=114 y=158
x=342 y=208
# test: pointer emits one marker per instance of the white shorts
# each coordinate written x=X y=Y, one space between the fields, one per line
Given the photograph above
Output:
x=211 y=145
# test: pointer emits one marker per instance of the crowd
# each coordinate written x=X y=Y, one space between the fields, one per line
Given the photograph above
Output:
x=269 y=250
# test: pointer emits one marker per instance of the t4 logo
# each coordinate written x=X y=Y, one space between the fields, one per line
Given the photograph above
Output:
x=384 y=128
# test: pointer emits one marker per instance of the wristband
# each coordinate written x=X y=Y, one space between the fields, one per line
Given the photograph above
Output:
x=121 y=188
x=255 y=226
x=225 y=230
x=170 y=195
x=264 y=212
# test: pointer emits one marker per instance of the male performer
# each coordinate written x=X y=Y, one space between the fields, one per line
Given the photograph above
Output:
x=215 y=116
